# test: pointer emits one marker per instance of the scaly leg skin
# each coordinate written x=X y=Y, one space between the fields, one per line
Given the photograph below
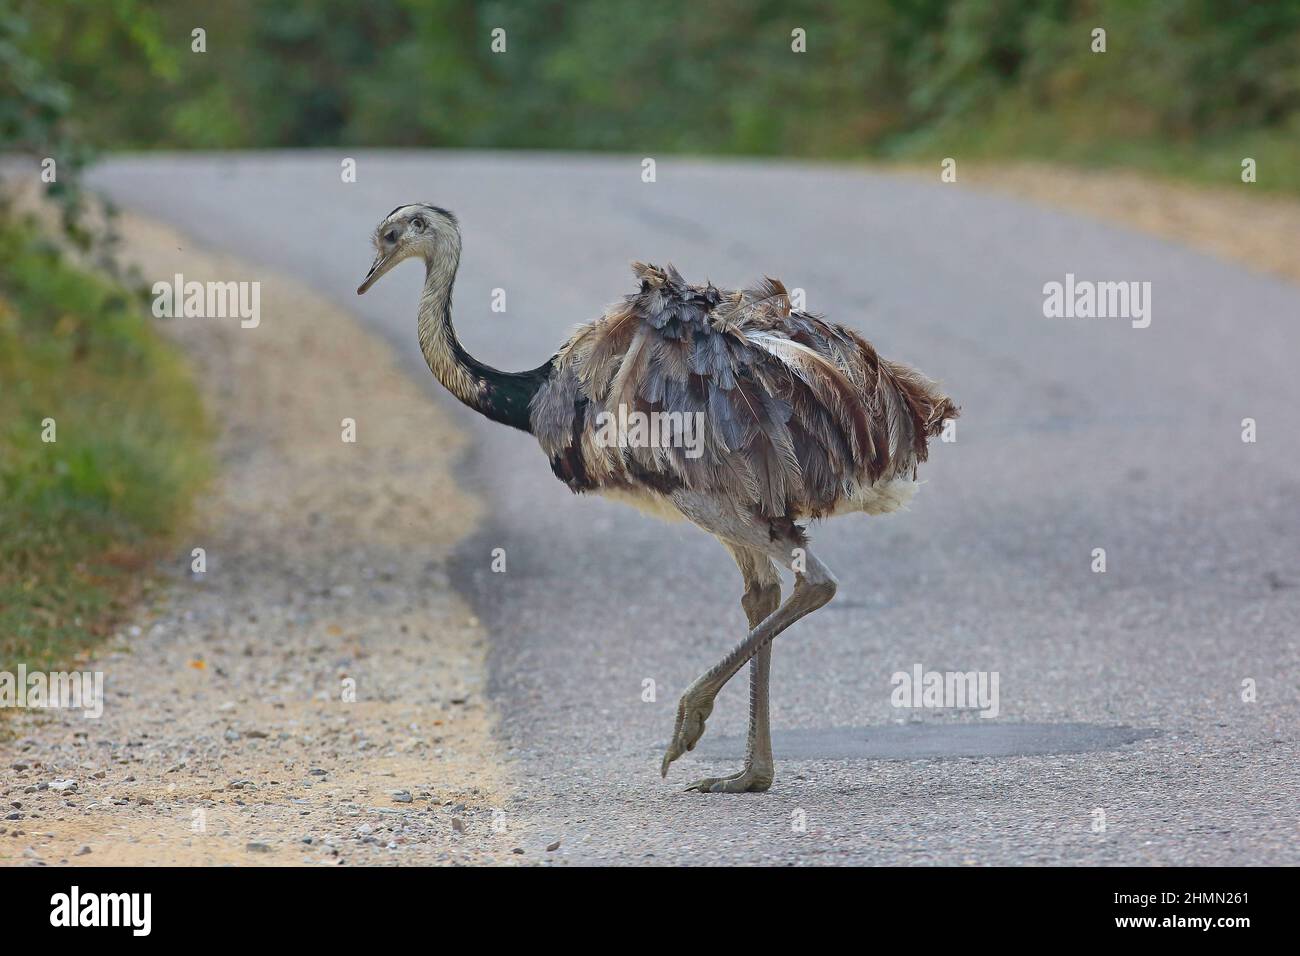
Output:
x=813 y=587
x=759 y=772
x=762 y=597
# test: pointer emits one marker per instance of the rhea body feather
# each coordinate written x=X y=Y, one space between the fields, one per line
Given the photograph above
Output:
x=801 y=418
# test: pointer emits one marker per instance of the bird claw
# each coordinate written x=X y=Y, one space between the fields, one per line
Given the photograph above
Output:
x=746 y=781
x=692 y=711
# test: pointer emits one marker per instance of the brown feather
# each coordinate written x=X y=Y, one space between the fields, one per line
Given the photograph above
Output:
x=797 y=411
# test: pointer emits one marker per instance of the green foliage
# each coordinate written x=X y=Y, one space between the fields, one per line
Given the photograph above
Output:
x=881 y=77
x=46 y=52
x=34 y=110
x=81 y=515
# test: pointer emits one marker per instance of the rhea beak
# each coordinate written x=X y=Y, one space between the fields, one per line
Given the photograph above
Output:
x=383 y=262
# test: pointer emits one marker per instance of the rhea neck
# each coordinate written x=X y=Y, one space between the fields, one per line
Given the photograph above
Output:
x=501 y=396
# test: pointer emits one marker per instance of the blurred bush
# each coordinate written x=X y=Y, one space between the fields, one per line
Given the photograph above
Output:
x=1188 y=78
x=103 y=440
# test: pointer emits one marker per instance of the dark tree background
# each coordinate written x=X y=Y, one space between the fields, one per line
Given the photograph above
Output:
x=1185 y=87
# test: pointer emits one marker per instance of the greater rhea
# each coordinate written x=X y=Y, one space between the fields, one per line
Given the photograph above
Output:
x=799 y=418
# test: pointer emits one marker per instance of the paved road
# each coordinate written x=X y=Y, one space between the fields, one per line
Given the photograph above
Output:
x=1118 y=692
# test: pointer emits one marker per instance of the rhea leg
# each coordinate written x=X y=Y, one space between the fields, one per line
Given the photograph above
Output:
x=814 y=586
x=762 y=596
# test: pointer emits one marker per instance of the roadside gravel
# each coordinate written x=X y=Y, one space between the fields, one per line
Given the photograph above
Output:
x=226 y=736
x=1235 y=221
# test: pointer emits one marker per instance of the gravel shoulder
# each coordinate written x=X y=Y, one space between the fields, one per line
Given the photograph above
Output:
x=225 y=736
x=1237 y=222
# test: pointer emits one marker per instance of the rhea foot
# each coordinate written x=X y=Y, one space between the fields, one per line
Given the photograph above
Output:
x=692 y=711
x=749 y=780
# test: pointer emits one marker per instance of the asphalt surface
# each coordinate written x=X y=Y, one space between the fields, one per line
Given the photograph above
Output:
x=1120 y=693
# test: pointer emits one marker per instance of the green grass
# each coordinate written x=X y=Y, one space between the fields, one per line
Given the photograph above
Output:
x=81 y=518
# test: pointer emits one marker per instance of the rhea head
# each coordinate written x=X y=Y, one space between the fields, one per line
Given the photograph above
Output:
x=419 y=229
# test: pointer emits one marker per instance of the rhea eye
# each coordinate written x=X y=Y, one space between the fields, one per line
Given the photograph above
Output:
x=390 y=235
x=417 y=224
